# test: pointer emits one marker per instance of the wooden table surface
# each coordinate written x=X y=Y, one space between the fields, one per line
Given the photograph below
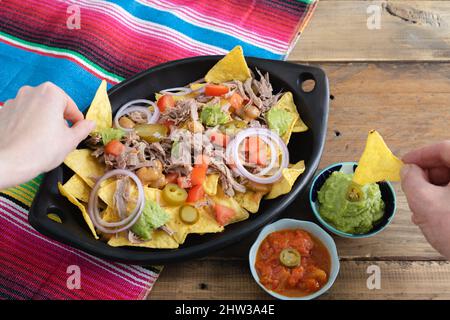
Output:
x=395 y=79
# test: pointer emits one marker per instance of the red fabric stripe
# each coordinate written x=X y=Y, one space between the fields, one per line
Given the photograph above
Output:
x=99 y=32
x=127 y=272
x=262 y=16
x=96 y=282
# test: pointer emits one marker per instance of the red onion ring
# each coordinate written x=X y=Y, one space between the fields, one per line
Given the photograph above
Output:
x=115 y=227
x=264 y=134
x=177 y=91
x=127 y=108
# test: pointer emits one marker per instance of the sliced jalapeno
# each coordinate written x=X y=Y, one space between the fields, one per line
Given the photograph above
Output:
x=189 y=214
x=174 y=195
x=290 y=257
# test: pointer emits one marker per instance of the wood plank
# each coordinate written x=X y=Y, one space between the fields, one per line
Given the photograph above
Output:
x=231 y=279
x=409 y=104
x=338 y=32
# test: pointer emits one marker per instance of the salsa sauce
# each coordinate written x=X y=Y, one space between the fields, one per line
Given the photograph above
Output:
x=308 y=277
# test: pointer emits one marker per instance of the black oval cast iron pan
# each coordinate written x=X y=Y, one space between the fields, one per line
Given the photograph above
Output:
x=308 y=146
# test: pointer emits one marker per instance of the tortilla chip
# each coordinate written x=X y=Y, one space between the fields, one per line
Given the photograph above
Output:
x=249 y=200
x=377 y=162
x=100 y=110
x=289 y=176
x=222 y=199
x=175 y=98
x=85 y=165
x=196 y=86
x=286 y=102
x=299 y=126
x=210 y=184
x=231 y=67
x=80 y=206
x=160 y=240
x=205 y=224
x=78 y=188
x=54 y=217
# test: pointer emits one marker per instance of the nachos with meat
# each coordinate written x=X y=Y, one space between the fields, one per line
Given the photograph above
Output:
x=190 y=161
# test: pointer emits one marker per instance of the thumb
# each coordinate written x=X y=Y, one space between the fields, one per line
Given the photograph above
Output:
x=81 y=129
x=420 y=193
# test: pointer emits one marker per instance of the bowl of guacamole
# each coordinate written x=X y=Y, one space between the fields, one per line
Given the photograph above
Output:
x=368 y=213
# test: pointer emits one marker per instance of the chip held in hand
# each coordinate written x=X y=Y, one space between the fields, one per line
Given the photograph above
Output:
x=377 y=162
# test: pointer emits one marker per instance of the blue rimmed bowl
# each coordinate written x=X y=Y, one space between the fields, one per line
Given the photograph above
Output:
x=387 y=194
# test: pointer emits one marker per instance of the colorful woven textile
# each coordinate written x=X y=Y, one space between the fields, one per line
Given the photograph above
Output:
x=75 y=44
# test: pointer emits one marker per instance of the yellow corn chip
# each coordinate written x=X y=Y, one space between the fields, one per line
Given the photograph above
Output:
x=54 y=217
x=84 y=165
x=205 y=224
x=286 y=103
x=100 y=109
x=196 y=86
x=224 y=200
x=299 y=126
x=231 y=67
x=249 y=200
x=160 y=240
x=80 y=206
x=175 y=98
x=210 y=184
x=289 y=176
x=377 y=162
x=78 y=188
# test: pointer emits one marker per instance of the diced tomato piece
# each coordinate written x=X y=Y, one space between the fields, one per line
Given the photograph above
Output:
x=172 y=177
x=184 y=182
x=236 y=101
x=165 y=101
x=215 y=90
x=219 y=138
x=195 y=193
x=114 y=147
x=257 y=150
x=223 y=214
x=198 y=174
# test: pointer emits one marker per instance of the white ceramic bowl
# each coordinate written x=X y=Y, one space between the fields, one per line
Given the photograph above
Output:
x=313 y=229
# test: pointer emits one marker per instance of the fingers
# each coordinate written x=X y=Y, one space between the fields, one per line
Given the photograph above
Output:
x=439 y=176
x=421 y=194
x=81 y=130
x=436 y=155
x=71 y=112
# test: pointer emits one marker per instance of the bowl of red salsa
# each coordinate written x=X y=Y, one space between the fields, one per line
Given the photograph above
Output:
x=294 y=260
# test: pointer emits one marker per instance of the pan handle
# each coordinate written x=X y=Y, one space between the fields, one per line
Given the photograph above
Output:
x=295 y=74
x=319 y=96
x=49 y=202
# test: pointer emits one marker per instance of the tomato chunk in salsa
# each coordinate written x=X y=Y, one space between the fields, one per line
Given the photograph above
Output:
x=308 y=276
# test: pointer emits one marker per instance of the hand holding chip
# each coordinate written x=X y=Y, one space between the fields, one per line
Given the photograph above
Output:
x=34 y=134
x=426 y=183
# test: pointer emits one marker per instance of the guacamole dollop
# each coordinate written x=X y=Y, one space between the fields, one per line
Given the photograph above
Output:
x=109 y=134
x=279 y=120
x=152 y=217
x=213 y=115
x=351 y=217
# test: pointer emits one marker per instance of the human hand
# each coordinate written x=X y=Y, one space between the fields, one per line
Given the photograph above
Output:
x=426 y=183
x=34 y=134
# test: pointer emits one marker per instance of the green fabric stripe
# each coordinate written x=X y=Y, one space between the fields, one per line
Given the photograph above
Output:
x=28 y=190
x=73 y=53
x=20 y=198
x=306 y=1
x=33 y=184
